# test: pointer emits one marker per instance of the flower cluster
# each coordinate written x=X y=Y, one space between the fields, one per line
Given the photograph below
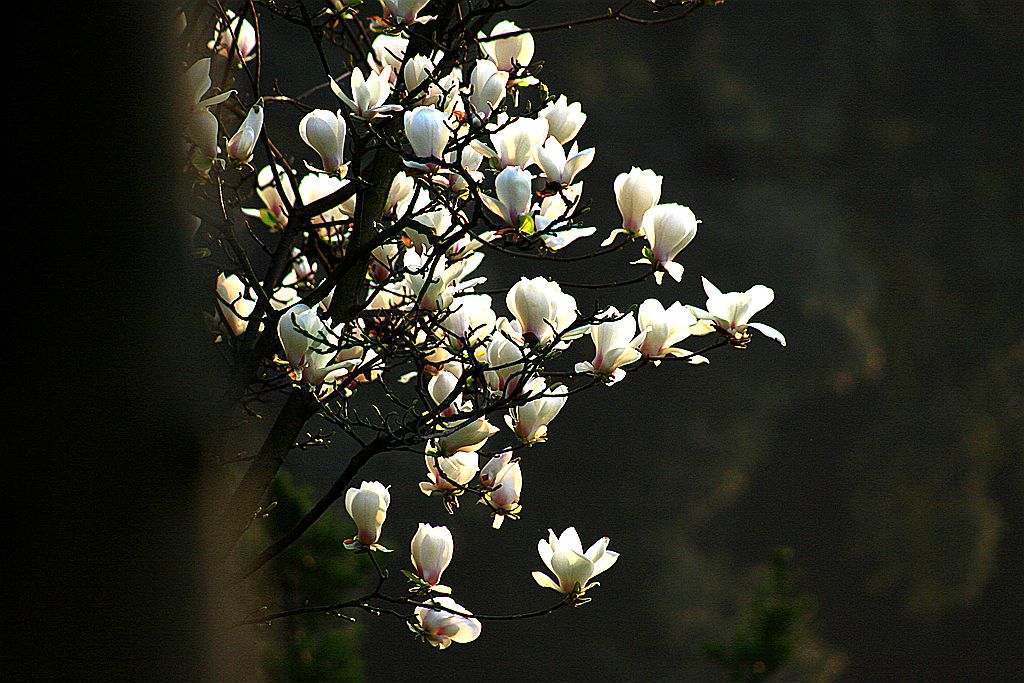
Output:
x=425 y=162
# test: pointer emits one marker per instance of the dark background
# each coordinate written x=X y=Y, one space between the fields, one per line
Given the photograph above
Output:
x=861 y=158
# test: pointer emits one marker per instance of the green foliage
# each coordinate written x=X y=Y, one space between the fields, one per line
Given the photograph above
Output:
x=768 y=632
x=316 y=570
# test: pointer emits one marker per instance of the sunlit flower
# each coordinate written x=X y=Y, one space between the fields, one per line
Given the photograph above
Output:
x=470 y=319
x=516 y=143
x=406 y=11
x=388 y=50
x=243 y=142
x=635 y=193
x=236 y=302
x=514 y=187
x=665 y=327
x=325 y=132
x=440 y=627
x=368 y=508
x=616 y=342
x=276 y=212
x=504 y=477
x=432 y=548
x=730 y=313
x=530 y=421
x=541 y=307
x=447 y=474
x=369 y=94
x=201 y=124
x=428 y=132
x=507 y=53
x=224 y=35
x=559 y=168
x=441 y=389
x=469 y=437
x=487 y=86
x=504 y=356
x=564 y=119
x=668 y=229
x=573 y=568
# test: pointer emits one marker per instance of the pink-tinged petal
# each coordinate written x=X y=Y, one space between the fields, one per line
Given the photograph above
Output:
x=604 y=562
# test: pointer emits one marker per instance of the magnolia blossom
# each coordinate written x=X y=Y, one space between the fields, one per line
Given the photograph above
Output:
x=635 y=193
x=530 y=421
x=432 y=548
x=469 y=437
x=503 y=356
x=573 y=568
x=224 y=43
x=368 y=508
x=514 y=187
x=541 y=308
x=486 y=87
x=406 y=11
x=616 y=343
x=325 y=132
x=418 y=70
x=552 y=224
x=469 y=160
x=441 y=627
x=236 y=302
x=470 y=319
x=446 y=475
x=668 y=228
x=243 y=142
x=368 y=94
x=505 y=479
x=388 y=51
x=664 y=328
x=201 y=124
x=316 y=186
x=516 y=143
x=428 y=133
x=441 y=389
x=731 y=312
x=564 y=119
x=312 y=355
x=507 y=53
x=399 y=194
x=432 y=282
x=276 y=212
x=559 y=168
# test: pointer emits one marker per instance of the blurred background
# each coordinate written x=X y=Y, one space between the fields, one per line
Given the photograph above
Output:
x=849 y=508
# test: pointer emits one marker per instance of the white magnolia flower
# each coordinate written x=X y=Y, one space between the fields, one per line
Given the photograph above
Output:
x=446 y=475
x=564 y=556
x=559 y=168
x=243 y=142
x=432 y=548
x=276 y=212
x=552 y=224
x=487 y=87
x=368 y=508
x=731 y=312
x=406 y=11
x=368 y=94
x=542 y=309
x=507 y=53
x=433 y=282
x=236 y=302
x=441 y=389
x=469 y=160
x=399 y=194
x=516 y=143
x=469 y=437
x=514 y=187
x=312 y=349
x=635 y=193
x=505 y=479
x=325 y=132
x=224 y=34
x=388 y=51
x=428 y=132
x=564 y=119
x=418 y=70
x=440 y=627
x=530 y=421
x=664 y=328
x=504 y=356
x=470 y=319
x=201 y=125
x=615 y=343
x=668 y=228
